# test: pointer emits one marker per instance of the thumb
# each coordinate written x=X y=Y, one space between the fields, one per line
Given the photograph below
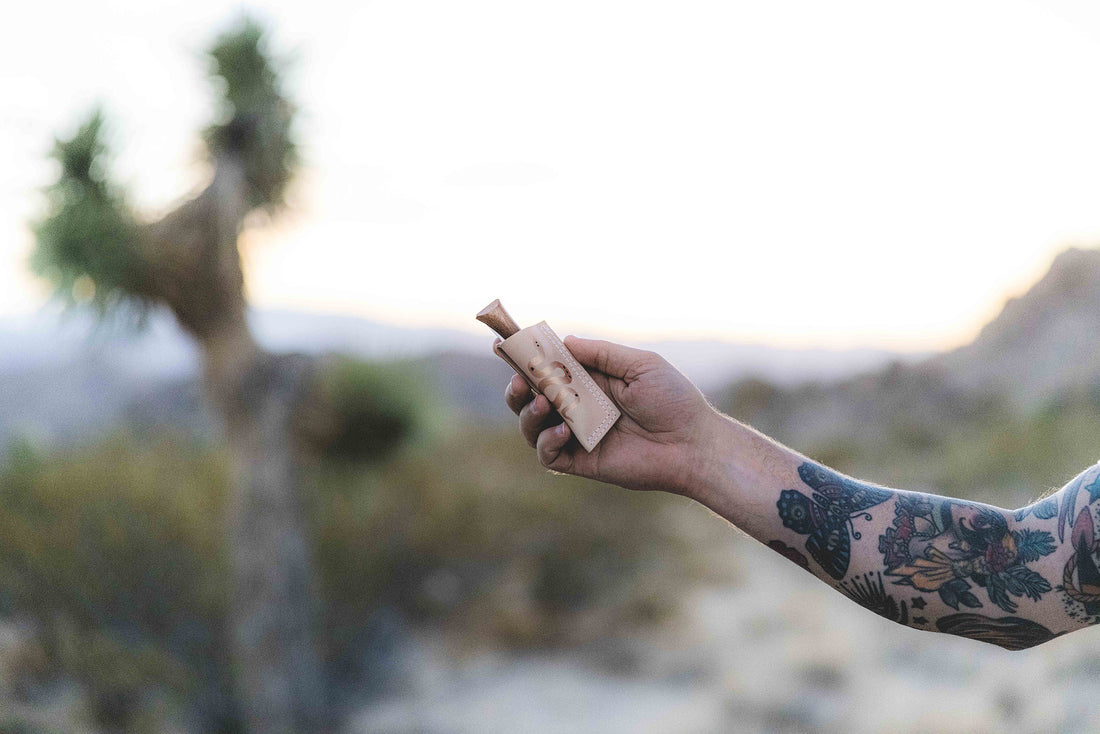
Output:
x=614 y=360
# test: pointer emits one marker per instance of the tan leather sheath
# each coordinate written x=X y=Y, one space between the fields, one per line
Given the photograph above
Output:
x=540 y=356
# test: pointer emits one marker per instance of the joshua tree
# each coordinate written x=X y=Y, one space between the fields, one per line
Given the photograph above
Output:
x=95 y=250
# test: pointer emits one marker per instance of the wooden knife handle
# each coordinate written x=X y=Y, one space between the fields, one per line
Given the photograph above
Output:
x=496 y=318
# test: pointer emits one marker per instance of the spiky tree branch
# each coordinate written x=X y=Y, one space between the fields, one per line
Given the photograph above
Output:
x=89 y=234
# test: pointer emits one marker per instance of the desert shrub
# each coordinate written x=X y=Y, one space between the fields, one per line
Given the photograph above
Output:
x=987 y=452
x=378 y=406
x=115 y=553
x=471 y=533
x=905 y=427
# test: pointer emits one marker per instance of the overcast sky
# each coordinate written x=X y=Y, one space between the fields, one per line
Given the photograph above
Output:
x=838 y=174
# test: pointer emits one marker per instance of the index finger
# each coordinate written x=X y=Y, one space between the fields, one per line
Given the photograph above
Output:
x=614 y=360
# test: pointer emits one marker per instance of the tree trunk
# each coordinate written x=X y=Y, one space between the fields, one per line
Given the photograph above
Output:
x=272 y=610
x=194 y=267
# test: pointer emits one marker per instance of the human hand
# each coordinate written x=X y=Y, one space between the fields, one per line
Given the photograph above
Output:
x=658 y=442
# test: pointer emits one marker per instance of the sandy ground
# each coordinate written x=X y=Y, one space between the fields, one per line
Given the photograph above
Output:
x=780 y=652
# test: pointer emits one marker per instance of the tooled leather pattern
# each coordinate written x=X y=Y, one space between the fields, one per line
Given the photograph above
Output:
x=552 y=380
x=553 y=371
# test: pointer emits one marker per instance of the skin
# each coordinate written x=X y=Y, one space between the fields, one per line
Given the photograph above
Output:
x=922 y=560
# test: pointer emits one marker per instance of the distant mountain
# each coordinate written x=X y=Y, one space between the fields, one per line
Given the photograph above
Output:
x=63 y=376
x=51 y=338
x=1043 y=343
x=1041 y=346
x=714 y=364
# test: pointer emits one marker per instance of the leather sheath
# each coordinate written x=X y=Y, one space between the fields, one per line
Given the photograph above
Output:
x=541 y=358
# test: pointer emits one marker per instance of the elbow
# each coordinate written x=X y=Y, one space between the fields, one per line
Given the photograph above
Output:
x=1010 y=633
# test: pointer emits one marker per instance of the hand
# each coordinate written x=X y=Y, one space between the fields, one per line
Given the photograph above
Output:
x=657 y=443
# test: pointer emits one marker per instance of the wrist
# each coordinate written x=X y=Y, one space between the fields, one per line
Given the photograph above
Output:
x=738 y=472
x=709 y=458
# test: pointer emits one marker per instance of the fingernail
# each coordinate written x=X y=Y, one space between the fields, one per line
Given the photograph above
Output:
x=561 y=429
x=536 y=406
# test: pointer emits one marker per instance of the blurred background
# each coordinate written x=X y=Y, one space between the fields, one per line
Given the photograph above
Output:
x=256 y=472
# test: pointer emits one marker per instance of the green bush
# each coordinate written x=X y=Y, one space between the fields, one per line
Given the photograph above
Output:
x=115 y=553
x=377 y=406
x=471 y=533
x=975 y=447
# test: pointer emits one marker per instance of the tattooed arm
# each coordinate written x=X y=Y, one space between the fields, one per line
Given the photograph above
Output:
x=1015 y=579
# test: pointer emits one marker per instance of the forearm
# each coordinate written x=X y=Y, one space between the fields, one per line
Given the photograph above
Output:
x=926 y=561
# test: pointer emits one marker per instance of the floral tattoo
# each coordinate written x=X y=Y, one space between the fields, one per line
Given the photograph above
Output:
x=948 y=547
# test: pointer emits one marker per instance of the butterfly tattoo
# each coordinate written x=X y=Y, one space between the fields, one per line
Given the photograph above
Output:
x=827 y=516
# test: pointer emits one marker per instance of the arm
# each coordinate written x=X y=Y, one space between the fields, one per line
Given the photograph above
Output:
x=1015 y=579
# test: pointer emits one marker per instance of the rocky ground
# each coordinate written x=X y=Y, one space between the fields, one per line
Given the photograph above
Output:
x=770 y=649
x=777 y=652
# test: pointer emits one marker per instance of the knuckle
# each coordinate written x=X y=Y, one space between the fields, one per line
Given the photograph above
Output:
x=531 y=436
x=545 y=459
x=526 y=432
x=651 y=361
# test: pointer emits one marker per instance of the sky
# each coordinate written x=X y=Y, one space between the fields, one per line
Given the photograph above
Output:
x=796 y=173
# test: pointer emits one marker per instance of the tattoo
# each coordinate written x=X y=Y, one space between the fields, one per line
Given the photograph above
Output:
x=1011 y=633
x=870 y=592
x=943 y=545
x=1081 y=576
x=828 y=517
x=1080 y=585
x=1089 y=480
x=791 y=554
x=1042 y=510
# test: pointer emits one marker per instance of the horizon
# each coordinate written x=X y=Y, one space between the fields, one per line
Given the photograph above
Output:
x=51 y=309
